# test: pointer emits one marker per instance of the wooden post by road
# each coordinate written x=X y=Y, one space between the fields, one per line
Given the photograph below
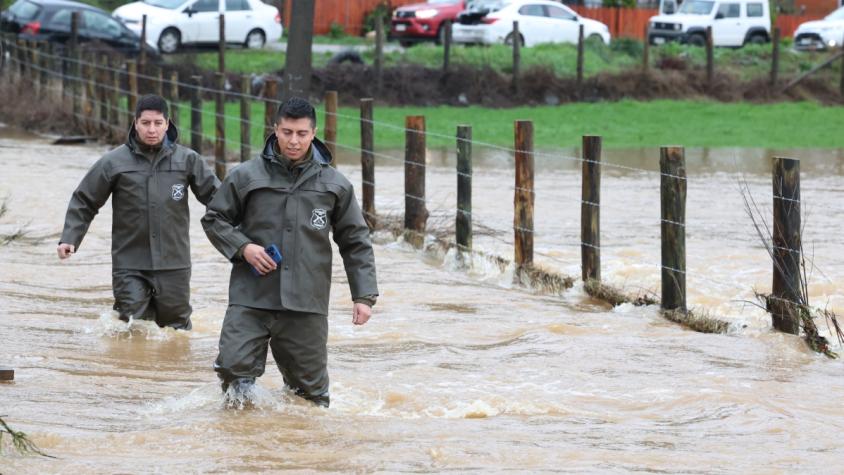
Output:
x=775 y=56
x=367 y=162
x=142 y=56
x=196 y=115
x=590 y=209
x=672 y=165
x=221 y=45
x=379 y=52
x=446 y=45
x=646 y=60
x=245 y=118
x=787 y=244
x=463 y=224
x=75 y=61
x=580 y=56
x=132 y=71
x=102 y=93
x=270 y=106
x=710 y=58
x=415 y=212
x=331 y=125
x=173 y=92
x=114 y=115
x=523 y=198
x=220 y=126
x=517 y=57
x=841 y=85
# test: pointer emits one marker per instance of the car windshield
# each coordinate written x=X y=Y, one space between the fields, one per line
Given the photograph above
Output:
x=836 y=15
x=696 y=7
x=24 y=11
x=169 y=4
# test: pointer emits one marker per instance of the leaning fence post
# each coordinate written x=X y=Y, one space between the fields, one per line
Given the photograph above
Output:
x=517 y=56
x=367 y=162
x=786 y=245
x=415 y=212
x=590 y=209
x=580 y=56
x=775 y=56
x=710 y=58
x=463 y=219
x=245 y=117
x=270 y=94
x=331 y=125
x=523 y=198
x=196 y=115
x=672 y=165
x=220 y=127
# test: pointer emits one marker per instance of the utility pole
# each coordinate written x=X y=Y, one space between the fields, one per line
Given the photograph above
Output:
x=297 y=67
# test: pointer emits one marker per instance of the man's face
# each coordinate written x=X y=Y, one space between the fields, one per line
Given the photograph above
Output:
x=295 y=137
x=151 y=127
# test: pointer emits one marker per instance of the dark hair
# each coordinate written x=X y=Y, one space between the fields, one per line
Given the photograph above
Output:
x=296 y=108
x=151 y=102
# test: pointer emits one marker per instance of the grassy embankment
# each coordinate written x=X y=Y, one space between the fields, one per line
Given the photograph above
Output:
x=622 y=124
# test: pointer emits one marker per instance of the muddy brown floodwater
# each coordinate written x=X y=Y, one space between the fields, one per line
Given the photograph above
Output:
x=458 y=370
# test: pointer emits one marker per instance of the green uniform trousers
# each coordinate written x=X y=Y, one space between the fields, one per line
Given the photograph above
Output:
x=159 y=295
x=298 y=342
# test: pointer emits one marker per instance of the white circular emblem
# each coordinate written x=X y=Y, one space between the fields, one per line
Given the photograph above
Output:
x=318 y=218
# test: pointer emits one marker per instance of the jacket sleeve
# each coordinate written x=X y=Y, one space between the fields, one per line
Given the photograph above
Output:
x=352 y=237
x=203 y=182
x=222 y=217
x=91 y=194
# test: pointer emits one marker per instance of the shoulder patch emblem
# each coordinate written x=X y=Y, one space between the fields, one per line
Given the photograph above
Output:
x=318 y=218
x=177 y=192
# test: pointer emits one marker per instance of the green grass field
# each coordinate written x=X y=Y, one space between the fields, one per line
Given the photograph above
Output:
x=622 y=124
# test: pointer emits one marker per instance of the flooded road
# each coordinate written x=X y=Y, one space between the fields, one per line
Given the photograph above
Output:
x=458 y=370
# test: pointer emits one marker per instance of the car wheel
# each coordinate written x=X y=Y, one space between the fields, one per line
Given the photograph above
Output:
x=255 y=39
x=594 y=39
x=440 y=35
x=169 y=41
x=509 y=40
x=757 y=39
x=697 y=40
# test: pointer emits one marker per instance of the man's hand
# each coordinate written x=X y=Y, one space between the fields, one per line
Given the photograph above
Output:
x=361 y=313
x=258 y=257
x=65 y=250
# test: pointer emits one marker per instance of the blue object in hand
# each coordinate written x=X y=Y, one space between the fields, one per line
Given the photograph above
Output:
x=274 y=254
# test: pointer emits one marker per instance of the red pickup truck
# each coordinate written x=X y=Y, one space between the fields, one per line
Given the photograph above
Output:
x=424 y=21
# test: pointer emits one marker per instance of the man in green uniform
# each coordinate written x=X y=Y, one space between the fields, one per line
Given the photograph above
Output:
x=290 y=198
x=147 y=178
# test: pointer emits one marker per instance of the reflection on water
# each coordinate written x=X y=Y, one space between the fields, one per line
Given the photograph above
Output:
x=459 y=370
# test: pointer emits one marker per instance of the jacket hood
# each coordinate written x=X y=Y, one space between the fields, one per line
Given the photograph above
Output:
x=170 y=137
x=321 y=153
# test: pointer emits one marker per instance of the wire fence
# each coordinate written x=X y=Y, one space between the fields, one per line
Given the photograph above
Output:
x=100 y=91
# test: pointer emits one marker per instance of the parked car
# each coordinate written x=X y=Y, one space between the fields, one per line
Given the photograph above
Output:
x=540 y=21
x=50 y=20
x=424 y=21
x=821 y=34
x=733 y=22
x=172 y=24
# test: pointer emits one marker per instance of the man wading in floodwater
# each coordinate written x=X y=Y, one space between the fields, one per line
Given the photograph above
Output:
x=148 y=178
x=290 y=198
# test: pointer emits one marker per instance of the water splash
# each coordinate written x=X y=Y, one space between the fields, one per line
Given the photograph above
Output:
x=110 y=325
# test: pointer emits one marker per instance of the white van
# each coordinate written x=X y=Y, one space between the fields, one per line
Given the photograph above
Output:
x=733 y=22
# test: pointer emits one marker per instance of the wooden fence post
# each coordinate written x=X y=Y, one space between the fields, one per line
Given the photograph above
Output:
x=446 y=45
x=590 y=209
x=415 y=212
x=132 y=72
x=196 y=115
x=841 y=84
x=523 y=198
x=142 y=55
x=463 y=224
x=367 y=162
x=74 y=53
x=775 y=56
x=672 y=165
x=102 y=92
x=331 y=125
x=580 y=57
x=91 y=109
x=646 y=60
x=710 y=58
x=270 y=106
x=517 y=57
x=379 y=52
x=221 y=45
x=245 y=118
x=114 y=115
x=220 y=127
x=787 y=244
x=173 y=92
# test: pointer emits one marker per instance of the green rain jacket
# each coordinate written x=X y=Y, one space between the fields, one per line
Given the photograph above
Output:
x=264 y=202
x=150 y=215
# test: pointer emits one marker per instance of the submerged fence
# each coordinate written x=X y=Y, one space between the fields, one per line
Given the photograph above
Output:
x=101 y=94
